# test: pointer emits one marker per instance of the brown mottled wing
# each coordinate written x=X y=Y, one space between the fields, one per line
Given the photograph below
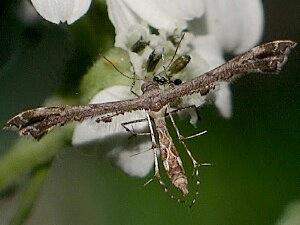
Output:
x=38 y=122
x=265 y=58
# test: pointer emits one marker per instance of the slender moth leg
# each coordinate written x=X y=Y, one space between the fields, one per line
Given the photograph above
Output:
x=182 y=139
x=195 y=163
x=141 y=152
x=106 y=118
x=184 y=108
x=156 y=166
x=134 y=80
x=131 y=131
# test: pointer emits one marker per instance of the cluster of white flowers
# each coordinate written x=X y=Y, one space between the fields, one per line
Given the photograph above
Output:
x=212 y=28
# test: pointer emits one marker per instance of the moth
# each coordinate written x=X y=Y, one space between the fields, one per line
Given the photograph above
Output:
x=265 y=58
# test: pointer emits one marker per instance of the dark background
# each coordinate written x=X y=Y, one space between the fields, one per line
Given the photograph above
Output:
x=255 y=154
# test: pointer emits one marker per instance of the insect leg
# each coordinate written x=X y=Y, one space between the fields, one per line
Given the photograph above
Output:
x=131 y=131
x=134 y=78
x=133 y=81
x=183 y=108
x=155 y=147
x=181 y=139
x=196 y=165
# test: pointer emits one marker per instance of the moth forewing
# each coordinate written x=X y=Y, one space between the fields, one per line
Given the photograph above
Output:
x=266 y=58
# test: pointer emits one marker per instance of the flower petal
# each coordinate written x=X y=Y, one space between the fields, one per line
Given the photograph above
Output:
x=223 y=99
x=61 y=10
x=291 y=214
x=79 y=9
x=123 y=20
x=120 y=15
x=194 y=100
x=129 y=153
x=208 y=47
x=237 y=24
x=137 y=163
x=167 y=14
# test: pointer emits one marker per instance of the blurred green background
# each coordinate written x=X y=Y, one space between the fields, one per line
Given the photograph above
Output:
x=255 y=155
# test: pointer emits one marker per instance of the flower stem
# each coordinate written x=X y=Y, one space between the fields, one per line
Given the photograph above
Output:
x=26 y=154
x=30 y=193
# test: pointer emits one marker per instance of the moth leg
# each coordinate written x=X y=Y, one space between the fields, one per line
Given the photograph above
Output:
x=155 y=148
x=133 y=81
x=196 y=165
x=131 y=131
x=131 y=89
x=156 y=172
x=182 y=139
x=184 y=108
x=141 y=152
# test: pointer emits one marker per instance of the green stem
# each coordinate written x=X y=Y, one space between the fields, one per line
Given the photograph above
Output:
x=26 y=154
x=30 y=193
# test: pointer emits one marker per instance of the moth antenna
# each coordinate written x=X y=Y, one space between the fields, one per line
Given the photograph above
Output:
x=176 y=50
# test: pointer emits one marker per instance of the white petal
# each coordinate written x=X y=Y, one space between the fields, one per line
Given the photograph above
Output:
x=291 y=215
x=79 y=9
x=189 y=112
x=167 y=14
x=193 y=100
x=136 y=163
x=209 y=49
x=123 y=20
x=237 y=24
x=120 y=15
x=130 y=153
x=57 y=11
x=223 y=99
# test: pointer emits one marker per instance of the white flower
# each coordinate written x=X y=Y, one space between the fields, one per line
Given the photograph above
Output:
x=214 y=26
x=291 y=214
x=129 y=153
x=57 y=11
x=236 y=24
